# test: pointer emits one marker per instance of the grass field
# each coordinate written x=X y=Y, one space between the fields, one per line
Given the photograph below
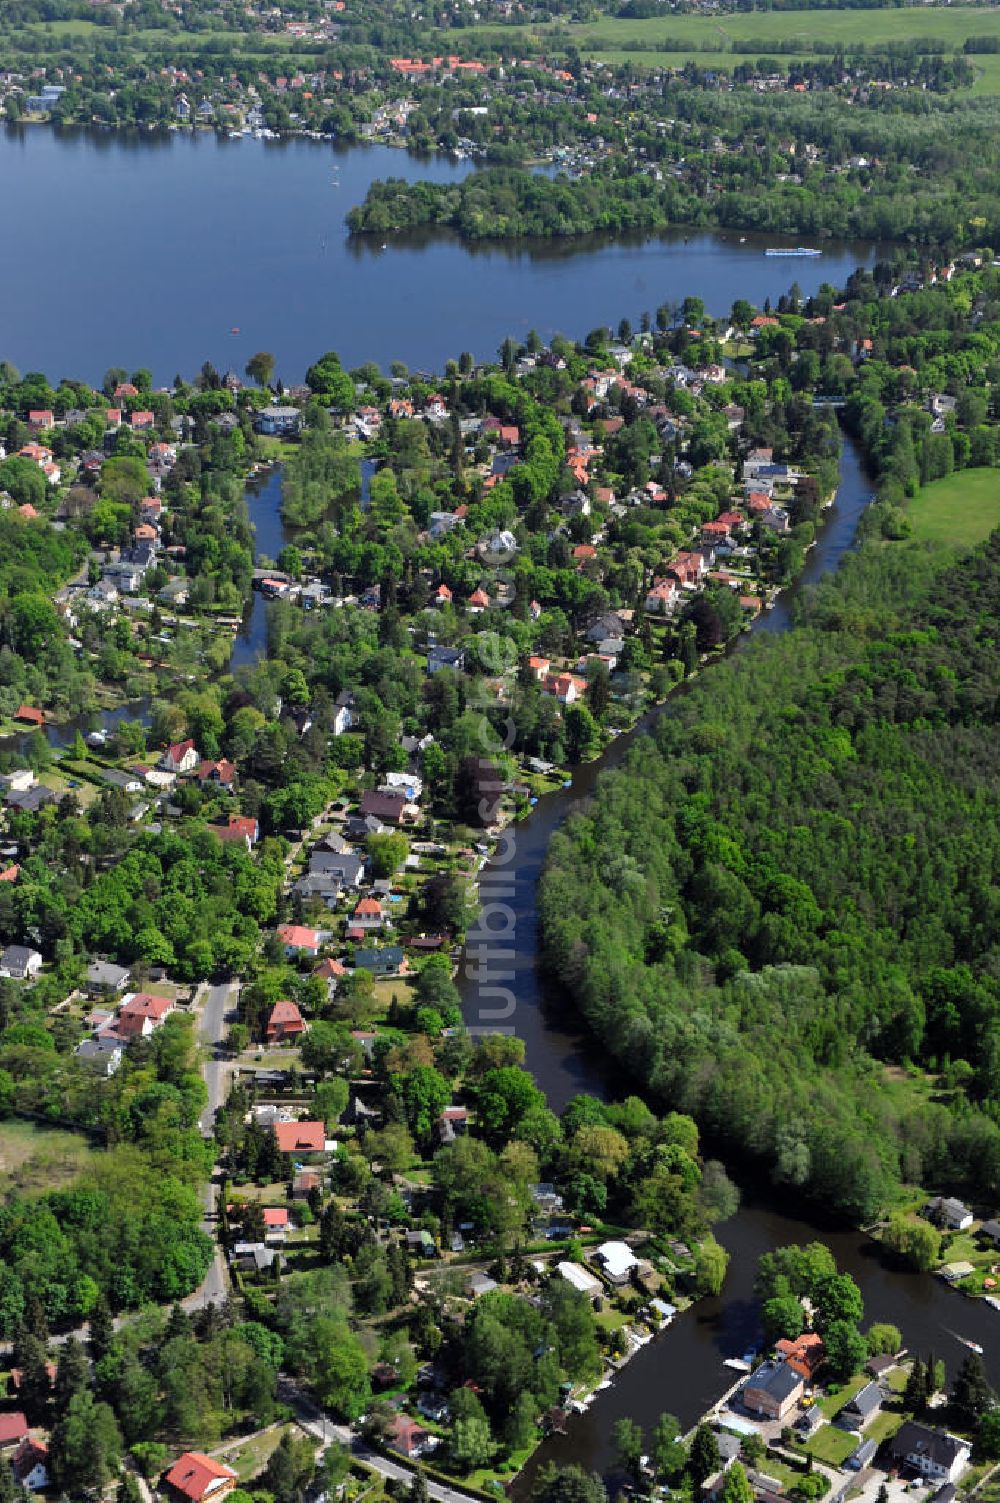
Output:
x=960 y=510
x=33 y=1157
x=611 y=39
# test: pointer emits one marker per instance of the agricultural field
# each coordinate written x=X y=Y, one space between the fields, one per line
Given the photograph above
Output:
x=961 y=510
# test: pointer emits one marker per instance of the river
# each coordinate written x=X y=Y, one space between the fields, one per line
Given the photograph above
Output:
x=681 y=1371
x=180 y=238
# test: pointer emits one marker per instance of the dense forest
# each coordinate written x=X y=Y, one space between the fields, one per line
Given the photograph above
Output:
x=780 y=914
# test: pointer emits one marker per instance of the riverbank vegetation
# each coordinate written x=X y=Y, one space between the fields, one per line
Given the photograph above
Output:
x=703 y=919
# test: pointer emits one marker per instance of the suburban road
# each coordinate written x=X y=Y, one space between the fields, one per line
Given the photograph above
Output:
x=315 y=1422
x=218 y=1004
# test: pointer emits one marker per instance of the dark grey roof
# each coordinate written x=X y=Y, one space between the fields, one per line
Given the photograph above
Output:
x=913 y=1439
x=866 y=1400
x=775 y=1378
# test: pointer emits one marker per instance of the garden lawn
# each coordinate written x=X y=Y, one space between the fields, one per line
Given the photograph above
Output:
x=961 y=510
x=37 y=1158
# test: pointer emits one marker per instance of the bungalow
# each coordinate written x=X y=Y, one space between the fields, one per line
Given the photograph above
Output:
x=480 y=1284
x=478 y=601
x=41 y=417
x=285 y=1022
x=862 y=1409
x=539 y=668
x=195 y=1477
x=773 y=1390
x=300 y=1137
x=935 y=1454
x=276 y=1223
x=578 y=1278
x=442 y=595
x=29 y=715
x=617 y=1259
x=142 y=419
x=298 y=940
x=20 y=963
x=388 y=961
x=949 y=1212
x=180 y=757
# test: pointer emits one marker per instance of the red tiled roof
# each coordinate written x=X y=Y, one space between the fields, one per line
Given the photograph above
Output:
x=13 y=1426
x=300 y=1137
x=194 y=1473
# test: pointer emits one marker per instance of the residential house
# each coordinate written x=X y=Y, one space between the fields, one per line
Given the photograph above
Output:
x=773 y=1390
x=104 y=977
x=949 y=1212
x=480 y=1284
x=805 y=1354
x=283 y=422
x=30 y=1465
x=300 y=1137
x=299 y=940
x=180 y=757
x=445 y=657
x=578 y=1278
x=221 y=774
x=195 y=1477
x=20 y=963
x=617 y=1259
x=103 y=1053
x=565 y=687
x=285 y=1022
x=388 y=961
x=935 y=1454
x=862 y=1409
x=13 y=1429
x=239 y=829
x=368 y=914
x=662 y=597
x=407 y=1437
x=388 y=807
x=139 y=1015
x=342 y=708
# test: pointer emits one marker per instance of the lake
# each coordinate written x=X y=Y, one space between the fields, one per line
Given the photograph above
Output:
x=147 y=250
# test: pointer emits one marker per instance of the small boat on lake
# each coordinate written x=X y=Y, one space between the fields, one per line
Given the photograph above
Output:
x=792 y=250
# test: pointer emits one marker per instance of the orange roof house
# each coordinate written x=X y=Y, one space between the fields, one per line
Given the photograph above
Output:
x=195 y=1476
x=300 y=1137
x=285 y=1022
x=804 y=1355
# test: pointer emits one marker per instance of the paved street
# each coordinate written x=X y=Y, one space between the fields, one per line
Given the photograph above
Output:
x=218 y=1004
x=312 y=1419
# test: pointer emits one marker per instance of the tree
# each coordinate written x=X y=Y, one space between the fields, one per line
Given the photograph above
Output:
x=340 y=1367
x=988 y=1436
x=471 y=1443
x=290 y=1468
x=85 y=1448
x=782 y=1317
x=710 y=1264
x=568 y=1484
x=971 y=1393
x=703 y=1458
x=883 y=1339
x=846 y=1349
x=628 y=1443
x=838 y=1299
x=260 y=368
x=736 y=1486
x=666 y=1450
x=914 y=1239
x=915 y=1394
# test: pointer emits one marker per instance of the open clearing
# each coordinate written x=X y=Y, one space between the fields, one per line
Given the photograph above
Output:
x=961 y=510
x=35 y=1158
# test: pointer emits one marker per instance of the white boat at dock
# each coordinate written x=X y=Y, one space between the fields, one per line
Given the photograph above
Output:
x=738 y=1364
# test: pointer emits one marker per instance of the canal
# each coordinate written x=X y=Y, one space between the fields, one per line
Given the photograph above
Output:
x=682 y=1370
